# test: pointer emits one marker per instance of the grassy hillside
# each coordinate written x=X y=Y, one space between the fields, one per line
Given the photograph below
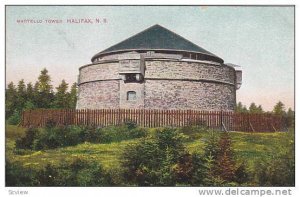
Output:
x=251 y=147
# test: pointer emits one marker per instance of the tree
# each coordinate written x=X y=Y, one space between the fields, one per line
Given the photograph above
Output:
x=260 y=109
x=44 y=81
x=10 y=99
x=73 y=96
x=36 y=94
x=45 y=97
x=254 y=109
x=225 y=163
x=241 y=108
x=61 y=99
x=29 y=92
x=21 y=95
x=279 y=109
x=30 y=100
x=290 y=117
x=211 y=148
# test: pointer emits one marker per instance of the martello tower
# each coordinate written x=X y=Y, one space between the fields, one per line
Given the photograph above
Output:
x=157 y=69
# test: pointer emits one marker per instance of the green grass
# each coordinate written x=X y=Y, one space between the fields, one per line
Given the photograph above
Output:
x=13 y=132
x=251 y=147
x=106 y=154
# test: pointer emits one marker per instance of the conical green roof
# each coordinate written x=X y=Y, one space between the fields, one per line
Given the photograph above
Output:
x=157 y=38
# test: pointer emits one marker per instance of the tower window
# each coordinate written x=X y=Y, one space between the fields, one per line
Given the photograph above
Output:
x=131 y=96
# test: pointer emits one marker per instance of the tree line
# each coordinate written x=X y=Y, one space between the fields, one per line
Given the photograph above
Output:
x=40 y=95
x=278 y=109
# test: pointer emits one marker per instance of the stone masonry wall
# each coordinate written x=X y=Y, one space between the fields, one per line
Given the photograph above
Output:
x=99 y=95
x=165 y=94
x=99 y=72
x=136 y=87
x=189 y=70
x=187 y=87
x=167 y=85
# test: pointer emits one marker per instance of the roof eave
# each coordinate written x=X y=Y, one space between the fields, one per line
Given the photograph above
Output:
x=147 y=49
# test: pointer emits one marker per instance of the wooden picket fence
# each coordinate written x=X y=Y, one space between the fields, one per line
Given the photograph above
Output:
x=223 y=120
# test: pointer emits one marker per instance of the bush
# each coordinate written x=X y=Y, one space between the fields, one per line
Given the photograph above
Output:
x=78 y=172
x=27 y=141
x=53 y=136
x=211 y=147
x=198 y=170
x=160 y=160
x=225 y=163
x=170 y=138
x=130 y=124
x=117 y=134
x=241 y=174
x=193 y=132
x=219 y=162
x=48 y=176
x=90 y=134
x=17 y=175
x=138 y=160
x=15 y=118
x=278 y=171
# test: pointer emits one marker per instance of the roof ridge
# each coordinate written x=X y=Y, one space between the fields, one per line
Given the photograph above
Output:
x=209 y=53
x=131 y=37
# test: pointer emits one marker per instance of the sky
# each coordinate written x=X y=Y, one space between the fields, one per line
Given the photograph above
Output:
x=259 y=39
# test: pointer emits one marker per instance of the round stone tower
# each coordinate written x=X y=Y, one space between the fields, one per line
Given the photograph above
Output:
x=157 y=69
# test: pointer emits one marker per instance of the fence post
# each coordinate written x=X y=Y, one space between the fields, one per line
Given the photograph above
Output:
x=221 y=120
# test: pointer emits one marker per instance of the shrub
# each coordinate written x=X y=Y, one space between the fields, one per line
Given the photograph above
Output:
x=90 y=134
x=78 y=172
x=160 y=160
x=48 y=176
x=172 y=139
x=59 y=136
x=137 y=133
x=219 y=162
x=53 y=137
x=50 y=124
x=241 y=174
x=27 y=141
x=279 y=170
x=211 y=147
x=123 y=132
x=224 y=162
x=193 y=132
x=114 y=177
x=198 y=171
x=140 y=160
x=17 y=175
x=130 y=124
x=15 y=118
x=183 y=169
x=72 y=135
